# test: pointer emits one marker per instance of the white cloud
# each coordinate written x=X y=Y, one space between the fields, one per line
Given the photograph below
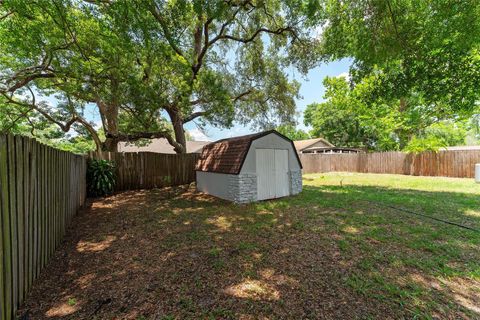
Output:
x=318 y=30
x=345 y=75
x=98 y=124
x=198 y=135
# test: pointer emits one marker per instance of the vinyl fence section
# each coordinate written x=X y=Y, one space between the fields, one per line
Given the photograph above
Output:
x=460 y=164
x=41 y=189
x=146 y=170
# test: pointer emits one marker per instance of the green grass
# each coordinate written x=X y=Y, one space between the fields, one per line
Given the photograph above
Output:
x=72 y=301
x=399 y=256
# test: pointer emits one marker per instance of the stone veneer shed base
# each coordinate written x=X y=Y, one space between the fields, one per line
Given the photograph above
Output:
x=231 y=169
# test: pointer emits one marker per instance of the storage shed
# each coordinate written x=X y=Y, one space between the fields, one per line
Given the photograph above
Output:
x=249 y=168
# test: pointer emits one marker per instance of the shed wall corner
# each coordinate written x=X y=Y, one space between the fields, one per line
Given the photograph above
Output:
x=243 y=188
x=295 y=181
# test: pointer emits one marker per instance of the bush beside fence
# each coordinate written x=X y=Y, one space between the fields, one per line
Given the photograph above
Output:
x=459 y=164
x=146 y=170
x=41 y=189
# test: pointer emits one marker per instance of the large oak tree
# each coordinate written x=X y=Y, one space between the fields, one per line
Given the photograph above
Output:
x=150 y=67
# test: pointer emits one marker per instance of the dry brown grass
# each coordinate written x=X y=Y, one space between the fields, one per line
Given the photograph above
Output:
x=177 y=254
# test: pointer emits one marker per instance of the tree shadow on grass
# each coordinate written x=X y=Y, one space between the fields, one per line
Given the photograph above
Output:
x=326 y=253
x=462 y=208
x=429 y=264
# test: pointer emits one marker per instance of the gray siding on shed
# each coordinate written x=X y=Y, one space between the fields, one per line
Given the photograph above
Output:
x=270 y=141
x=239 y=188
x=216 y=184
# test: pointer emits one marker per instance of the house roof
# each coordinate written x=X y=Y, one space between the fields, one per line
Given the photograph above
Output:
x=227 y=155
x=334 y=149
x=304 y=144
x=161 y=145
x=462 y=148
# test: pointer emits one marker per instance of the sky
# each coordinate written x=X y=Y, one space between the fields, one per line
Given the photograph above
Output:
x=311 y=90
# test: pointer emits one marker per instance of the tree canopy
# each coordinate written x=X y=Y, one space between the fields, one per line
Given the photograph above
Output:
x=414 y=64
x=152 y=66
x=291 y=132
x=356 y=116
x=429 y=51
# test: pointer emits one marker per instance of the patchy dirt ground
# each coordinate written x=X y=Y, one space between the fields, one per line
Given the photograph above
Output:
x=177 y=254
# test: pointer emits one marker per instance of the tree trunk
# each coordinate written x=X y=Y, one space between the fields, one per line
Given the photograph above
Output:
x=403 y=104
x=177 y=123
x=110 y=123
x=110 y=144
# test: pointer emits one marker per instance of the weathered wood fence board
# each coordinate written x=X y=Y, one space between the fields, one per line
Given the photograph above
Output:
x=460 y=164
x=145 y=170
x=41 y=189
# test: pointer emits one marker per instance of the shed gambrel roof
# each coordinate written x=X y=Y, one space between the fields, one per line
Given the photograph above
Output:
x=227 y=155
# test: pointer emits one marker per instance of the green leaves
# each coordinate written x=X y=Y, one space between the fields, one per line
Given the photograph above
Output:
x=427 y=49
x=143 y=63
x=292 y=133
x=361 y=116
x=100 y=177
x=416 y=63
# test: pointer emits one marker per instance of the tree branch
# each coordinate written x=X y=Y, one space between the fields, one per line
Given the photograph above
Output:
x=194 y=116
x=222 y=30
x=241 y=95
x=24 y=76
x=22 y=115
x=197 y=101
x=21 y=82
x=64 y=126
x=91 y=130
x=207 y=43
x=156 y=14
x=201 y=51
x=6 y=15
x=256 y=33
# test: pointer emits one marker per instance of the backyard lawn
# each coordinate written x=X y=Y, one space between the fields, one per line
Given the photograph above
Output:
x=339 y=250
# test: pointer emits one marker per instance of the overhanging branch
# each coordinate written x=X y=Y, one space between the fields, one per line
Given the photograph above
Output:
x=241 y=95
x=23 y=81
x=194 y=116
x=157 y=15
x=257 y=33
x=64 y=126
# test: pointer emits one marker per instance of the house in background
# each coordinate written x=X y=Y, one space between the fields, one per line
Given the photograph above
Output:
x=320 y=145
x=161 y=145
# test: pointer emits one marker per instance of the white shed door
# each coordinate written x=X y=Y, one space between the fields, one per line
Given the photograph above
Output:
x=265 y=173
x=281 y=173
x=272 y=173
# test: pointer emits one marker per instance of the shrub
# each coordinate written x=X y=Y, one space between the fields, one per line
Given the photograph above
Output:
x=100 y=177
x=417 y=145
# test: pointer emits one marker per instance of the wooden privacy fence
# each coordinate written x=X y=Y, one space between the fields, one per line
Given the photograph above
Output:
x=41 y=189
x=460 y=164
x=145 y=170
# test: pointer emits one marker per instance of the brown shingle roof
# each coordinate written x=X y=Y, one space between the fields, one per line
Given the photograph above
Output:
x=228 y=155
x=161 y=145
